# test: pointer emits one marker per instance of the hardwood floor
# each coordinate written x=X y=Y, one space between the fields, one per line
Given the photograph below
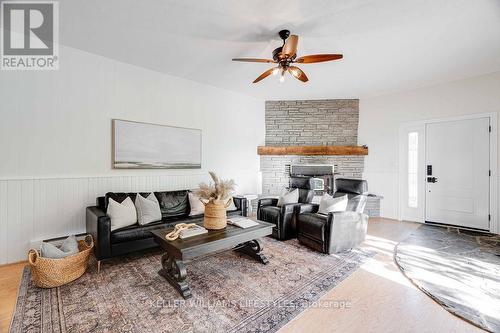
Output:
x=10 y=277
x=380 y=298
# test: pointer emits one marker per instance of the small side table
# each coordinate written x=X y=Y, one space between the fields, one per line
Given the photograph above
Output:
x=250 y=198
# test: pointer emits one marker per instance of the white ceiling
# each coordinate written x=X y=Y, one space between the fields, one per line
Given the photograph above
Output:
x=388 y=45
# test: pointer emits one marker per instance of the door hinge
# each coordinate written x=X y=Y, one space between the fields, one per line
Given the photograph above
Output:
x=489 y=217
x=489 y=173
x=489 y=129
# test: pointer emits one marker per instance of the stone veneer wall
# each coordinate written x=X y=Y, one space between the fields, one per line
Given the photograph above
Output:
x=312 y=122
x=308 y=123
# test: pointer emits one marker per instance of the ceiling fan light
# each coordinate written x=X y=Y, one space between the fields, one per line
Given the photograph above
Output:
x=276 y=70
x=282 y=78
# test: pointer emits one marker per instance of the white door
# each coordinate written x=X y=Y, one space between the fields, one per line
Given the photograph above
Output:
x=457 y=173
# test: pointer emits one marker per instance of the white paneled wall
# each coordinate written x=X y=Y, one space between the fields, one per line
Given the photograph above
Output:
x=42 y=208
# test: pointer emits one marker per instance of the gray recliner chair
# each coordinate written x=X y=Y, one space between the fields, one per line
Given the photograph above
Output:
x=335 y=232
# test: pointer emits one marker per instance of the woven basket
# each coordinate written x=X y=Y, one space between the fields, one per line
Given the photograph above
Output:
x=215 y=215
x=50 y=273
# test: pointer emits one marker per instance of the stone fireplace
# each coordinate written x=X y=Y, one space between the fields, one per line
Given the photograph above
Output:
x=332 y=122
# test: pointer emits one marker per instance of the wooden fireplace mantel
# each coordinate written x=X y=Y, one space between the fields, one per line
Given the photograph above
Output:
x=312 y=150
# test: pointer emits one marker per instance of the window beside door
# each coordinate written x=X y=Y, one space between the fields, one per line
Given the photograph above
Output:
x=413 y=169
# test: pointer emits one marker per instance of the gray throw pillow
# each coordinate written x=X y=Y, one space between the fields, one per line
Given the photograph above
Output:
x=70 y=244
x=68 y=248
x=148 y=209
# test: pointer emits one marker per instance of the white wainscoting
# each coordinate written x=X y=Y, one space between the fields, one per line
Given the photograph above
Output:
x=42 y=208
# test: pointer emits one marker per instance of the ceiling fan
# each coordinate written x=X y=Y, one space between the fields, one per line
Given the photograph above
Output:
x=286 y=55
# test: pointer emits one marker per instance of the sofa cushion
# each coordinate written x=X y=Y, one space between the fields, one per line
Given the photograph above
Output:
x=135 y=232
x=312 y=225
x=175 y=219
x=173 y=203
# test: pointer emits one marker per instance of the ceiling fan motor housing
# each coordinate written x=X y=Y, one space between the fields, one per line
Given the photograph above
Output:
x=284 y=34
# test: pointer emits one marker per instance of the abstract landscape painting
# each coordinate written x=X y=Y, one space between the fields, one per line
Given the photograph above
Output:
x=149 y=146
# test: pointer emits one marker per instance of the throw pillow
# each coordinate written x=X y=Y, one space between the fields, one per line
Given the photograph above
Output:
x=148 y=209
x=197 y=207
x=316 y=199
x=121 y=214
x=288 y=198
x=330 y=204
x=70 y=244
x=68 y=248
x=231 y=206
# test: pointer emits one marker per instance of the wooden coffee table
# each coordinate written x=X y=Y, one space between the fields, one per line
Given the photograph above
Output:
x=231 y=237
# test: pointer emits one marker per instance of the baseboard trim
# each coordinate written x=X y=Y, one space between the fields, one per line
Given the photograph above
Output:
x=458 y=227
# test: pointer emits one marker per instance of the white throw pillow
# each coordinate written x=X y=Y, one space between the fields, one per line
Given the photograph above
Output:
x=197 y=207
x=330 y=204
x=121 y=214
x=148 y=209
x=231 y=206
x=316 y=199
x=288 y=198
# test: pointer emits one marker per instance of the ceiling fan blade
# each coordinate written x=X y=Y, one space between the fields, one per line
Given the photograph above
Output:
x=309 y=59
x=290 y=47
x=264 y=75
x=298 y=73
x=253 y=60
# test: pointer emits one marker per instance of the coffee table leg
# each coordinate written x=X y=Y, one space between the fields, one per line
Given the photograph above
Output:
x=174 y=271
x=254 y=249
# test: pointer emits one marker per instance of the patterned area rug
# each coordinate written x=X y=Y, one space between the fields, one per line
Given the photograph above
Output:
x=460 y=271
x=231 y=293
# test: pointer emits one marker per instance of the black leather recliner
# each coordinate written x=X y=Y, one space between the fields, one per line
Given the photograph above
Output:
x=283 y=217
x=338 y=231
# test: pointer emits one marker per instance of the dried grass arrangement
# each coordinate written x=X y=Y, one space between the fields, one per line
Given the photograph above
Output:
x=216 y=197
x=220 y=189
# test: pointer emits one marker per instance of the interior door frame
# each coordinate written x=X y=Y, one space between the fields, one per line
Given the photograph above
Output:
x=403 y=154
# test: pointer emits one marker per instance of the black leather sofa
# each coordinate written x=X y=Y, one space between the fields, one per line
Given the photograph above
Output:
x=283 y=217
x=174 y=206
x=339 y=231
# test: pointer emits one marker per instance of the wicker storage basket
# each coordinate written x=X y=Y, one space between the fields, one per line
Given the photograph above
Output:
x=50 y=273
x=215 y=215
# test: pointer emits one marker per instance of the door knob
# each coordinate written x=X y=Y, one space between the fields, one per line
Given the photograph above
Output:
x=432 y=179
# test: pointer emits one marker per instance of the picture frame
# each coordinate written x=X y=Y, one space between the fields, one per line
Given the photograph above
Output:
x=140 y=145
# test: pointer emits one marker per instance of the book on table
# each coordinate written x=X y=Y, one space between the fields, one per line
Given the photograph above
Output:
x=193 y=231
x=242 y=222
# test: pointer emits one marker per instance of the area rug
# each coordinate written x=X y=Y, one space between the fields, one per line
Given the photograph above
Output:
x=460 y=270
x=231 y=293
